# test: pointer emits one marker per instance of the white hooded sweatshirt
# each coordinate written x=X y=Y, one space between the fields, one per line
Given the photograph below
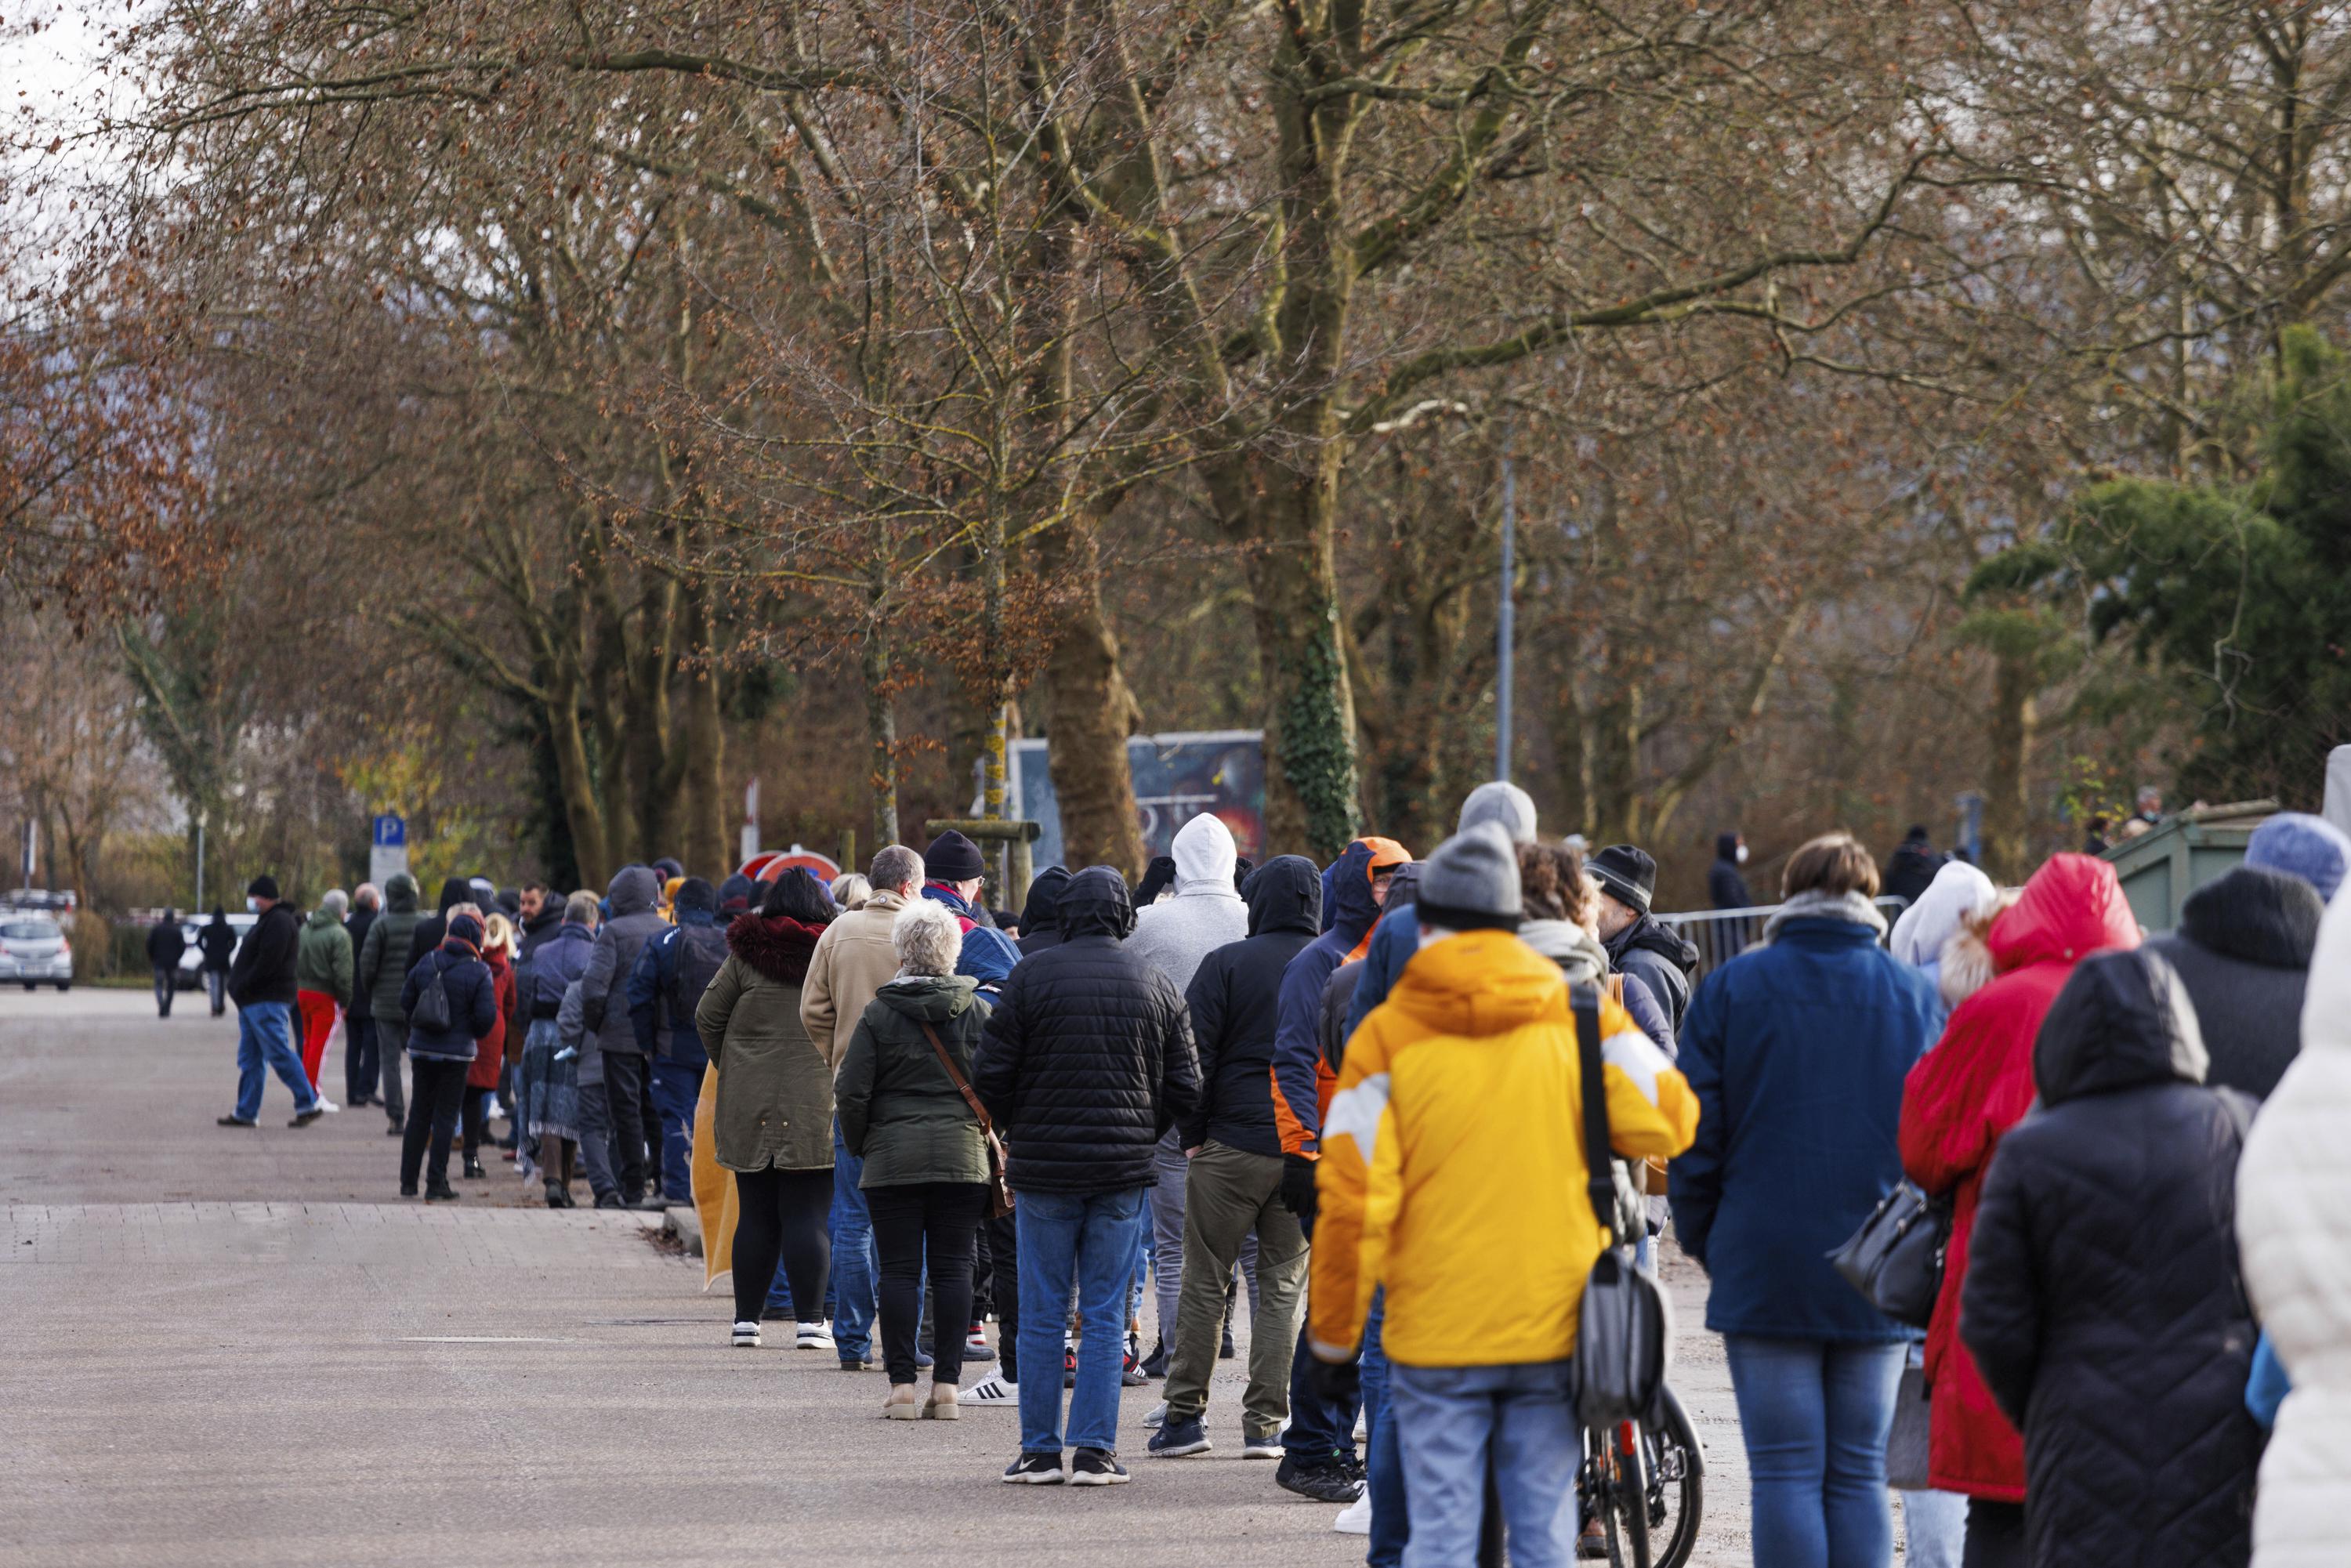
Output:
x=1958 y=891
x=1206 y=910
x=2293 y=1232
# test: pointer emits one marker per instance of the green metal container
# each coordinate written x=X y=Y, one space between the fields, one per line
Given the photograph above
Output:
x=2161 y=867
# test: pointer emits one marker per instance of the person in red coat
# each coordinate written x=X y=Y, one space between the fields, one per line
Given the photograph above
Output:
x=1958 y=1101
x=490 y=1050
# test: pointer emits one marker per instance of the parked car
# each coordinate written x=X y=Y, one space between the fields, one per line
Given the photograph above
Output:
x=34 y=951
x=191 y=962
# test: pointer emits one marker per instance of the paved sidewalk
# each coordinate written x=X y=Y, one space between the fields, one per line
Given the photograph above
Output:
x=232 y=1347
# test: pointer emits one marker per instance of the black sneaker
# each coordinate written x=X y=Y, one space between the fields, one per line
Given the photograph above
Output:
x=304 y=1118
x=1225 y=1352
x=408 y=1192
x=611 y=1200
x=235 y=1122
x=1155 y=1363
x=1326 y=1482
x=1176 y=1439
x=1097 y=1467
x=396 y=1131
x=474 y=1171
x=443 y=1193
x=1035 y=1470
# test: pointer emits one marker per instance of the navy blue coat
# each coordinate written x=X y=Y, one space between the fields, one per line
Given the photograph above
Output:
x=473 y=1004
x=1797 y=1051
x=555 y=962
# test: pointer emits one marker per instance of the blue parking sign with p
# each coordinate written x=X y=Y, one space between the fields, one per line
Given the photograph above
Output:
x=391 y=833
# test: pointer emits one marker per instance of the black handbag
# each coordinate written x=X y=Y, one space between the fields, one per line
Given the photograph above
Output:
x=1624 y=1331
x=1895 y=1259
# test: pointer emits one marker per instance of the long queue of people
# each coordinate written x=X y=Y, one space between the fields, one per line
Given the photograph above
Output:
x=927 y=1110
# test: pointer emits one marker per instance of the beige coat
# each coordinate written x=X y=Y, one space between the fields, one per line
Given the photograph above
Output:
x=853 y=960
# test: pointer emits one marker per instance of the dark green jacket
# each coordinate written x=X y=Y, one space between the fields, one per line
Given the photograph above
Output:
x=382 y=967
x=322 y=958
x=898 y=1107
x=773 y=1105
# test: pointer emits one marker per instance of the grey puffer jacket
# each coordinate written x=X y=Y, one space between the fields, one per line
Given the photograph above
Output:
x=899 y=1110
x=635 y=896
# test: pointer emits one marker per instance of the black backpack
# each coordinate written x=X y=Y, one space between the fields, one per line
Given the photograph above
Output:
x=431 y=1012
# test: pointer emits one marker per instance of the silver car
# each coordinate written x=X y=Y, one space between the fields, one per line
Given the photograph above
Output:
x=192 y=958
x=34 y=951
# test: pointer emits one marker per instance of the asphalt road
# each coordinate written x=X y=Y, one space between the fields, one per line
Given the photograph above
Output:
x=243 y=1348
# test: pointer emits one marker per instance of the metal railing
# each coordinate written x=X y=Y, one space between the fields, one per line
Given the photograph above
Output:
x=1721 y=935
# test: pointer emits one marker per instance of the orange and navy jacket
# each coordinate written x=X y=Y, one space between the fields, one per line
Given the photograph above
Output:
x=1302 y=1082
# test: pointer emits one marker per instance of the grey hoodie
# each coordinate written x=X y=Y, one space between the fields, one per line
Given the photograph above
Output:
x=635 y=894
x=1203 y=914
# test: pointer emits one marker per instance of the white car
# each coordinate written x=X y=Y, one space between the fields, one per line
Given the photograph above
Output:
x=192 y=961
x=34 y=951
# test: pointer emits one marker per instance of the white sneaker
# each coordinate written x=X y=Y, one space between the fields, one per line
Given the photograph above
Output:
x=993 y=1389
x=1355 y=1519
x=327 y=1104
x=746 y=1336
x=1158 y=1413
x=1362 y=1433
x=814 y=1336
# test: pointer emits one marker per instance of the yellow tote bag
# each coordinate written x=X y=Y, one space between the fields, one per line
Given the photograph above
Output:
x=714 y=1187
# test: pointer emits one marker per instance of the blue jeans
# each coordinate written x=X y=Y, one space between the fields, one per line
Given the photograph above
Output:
x=1319 y=1428
x=1384 y=1458
x=676 y=1088
x=264 y=1033
x=1094 y=1241
x=856 y=1264
x=1449 y=1419
x=1814 y=1414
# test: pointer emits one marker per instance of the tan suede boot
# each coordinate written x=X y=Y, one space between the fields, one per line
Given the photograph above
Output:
x=901 y=1405
x=942 y=1405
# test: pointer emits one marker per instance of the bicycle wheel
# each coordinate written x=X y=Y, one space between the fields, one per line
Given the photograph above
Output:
x=1630 y=1492
x=1675 y=1469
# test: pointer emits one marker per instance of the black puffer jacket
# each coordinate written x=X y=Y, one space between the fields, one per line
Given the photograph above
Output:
x=1661 y=958
x=2103 y=1301
x=1236 y=1003
x=1040 y=916
x=2243 y=950
x=1088 y=1056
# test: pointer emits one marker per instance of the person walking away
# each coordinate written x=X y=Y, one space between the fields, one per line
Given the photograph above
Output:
x=1086 y=1063
x=2103 y=1304
x=1795 y=1147
x=667 y=982
x=616 y=1114
x=2293 y=1232
x=1940 y=913
x=854 y=959
x=322 y=978
x=1040 y=915
x=772 y=1110
x=1639 y=944
x=550 y=1088
x=361 y=1069
x=217 y=943
x=1482 y=1261
x=1959 y=1101
x=1203 y=914
x=850 y=891
x=166 y=944
x=383 y=972
x=2242 y=949
x=955 y=875
x=1234 y=1152
x=441 y=1050
x=261 y=983
x=2312 y=848
x=1726 y=884
x=1320 y=1460
x=490 y=1050
x=428 y=932
x=1910 y=868
x=904 y=1114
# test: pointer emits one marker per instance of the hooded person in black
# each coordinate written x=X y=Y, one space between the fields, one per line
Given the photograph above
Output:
x=1040 y=916
x=1086 y=1060
x=1726 y=886
x=1910 y=868
x=1234 y=1185
x=2103 y=1302
x=2243 y=950
x=434 y=928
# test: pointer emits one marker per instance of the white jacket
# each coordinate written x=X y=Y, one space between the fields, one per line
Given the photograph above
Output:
x=2293 y=1227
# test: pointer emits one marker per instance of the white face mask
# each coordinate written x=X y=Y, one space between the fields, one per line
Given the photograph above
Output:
x=252 y=904
x=1742 y=855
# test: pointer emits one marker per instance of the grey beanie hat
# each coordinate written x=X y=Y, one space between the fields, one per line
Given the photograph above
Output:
x=1471 y=882
x=1502 y=801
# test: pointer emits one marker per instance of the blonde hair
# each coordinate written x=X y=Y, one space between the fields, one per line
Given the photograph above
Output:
x=498 y=932
x=851 y=890
x=927 y=938
x=1965 y=965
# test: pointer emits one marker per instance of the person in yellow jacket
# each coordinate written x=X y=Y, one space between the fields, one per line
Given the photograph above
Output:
x=1452 y=1174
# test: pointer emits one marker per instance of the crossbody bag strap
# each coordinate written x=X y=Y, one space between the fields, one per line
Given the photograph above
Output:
x=954 y=1073
x=1600 y=1182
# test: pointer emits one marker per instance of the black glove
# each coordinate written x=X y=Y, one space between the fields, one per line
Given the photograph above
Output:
x=1297 y=1194
x=1339 y=1383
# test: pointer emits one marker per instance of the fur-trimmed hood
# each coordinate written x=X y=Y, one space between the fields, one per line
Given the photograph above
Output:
x=776 y=944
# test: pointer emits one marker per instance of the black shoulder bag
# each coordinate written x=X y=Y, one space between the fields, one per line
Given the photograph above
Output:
x=1626 y=1329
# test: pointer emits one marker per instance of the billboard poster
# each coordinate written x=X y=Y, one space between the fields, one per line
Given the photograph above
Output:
x=1176 y=777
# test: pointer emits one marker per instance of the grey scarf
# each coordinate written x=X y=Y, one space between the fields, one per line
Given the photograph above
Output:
x=1850 y=906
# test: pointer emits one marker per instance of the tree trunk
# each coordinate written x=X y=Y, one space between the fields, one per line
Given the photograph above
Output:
x=581 y=811
x=1311 y=805
x=702 y=749
x=881 y=729
x=1089 y=714
x=2007 y=825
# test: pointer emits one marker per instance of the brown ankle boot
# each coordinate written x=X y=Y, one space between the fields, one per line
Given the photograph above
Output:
x=942 y=1405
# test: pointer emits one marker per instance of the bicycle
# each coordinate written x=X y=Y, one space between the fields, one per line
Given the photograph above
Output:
x=1646 y=1485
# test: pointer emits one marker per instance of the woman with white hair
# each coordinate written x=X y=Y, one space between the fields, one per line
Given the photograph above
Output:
x=902 y=1093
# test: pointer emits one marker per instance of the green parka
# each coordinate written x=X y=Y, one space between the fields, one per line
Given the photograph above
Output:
x=383 y=956
x=774 y=1102
x=322 y=958
x=899 y=1109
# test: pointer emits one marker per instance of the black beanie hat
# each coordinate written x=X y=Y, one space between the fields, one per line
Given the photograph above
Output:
x=953 y=858
x=1626 y=875
x=264 y=886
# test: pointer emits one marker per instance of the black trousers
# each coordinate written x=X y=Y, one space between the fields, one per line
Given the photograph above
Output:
x=625 y=1091
x=167 y=984
x=1995 y=1535
x=942 y=1217
x=476 y=1120
x=440 y=1090
x=359 y=1069
x=1004 y=1276
x=781 y=1215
